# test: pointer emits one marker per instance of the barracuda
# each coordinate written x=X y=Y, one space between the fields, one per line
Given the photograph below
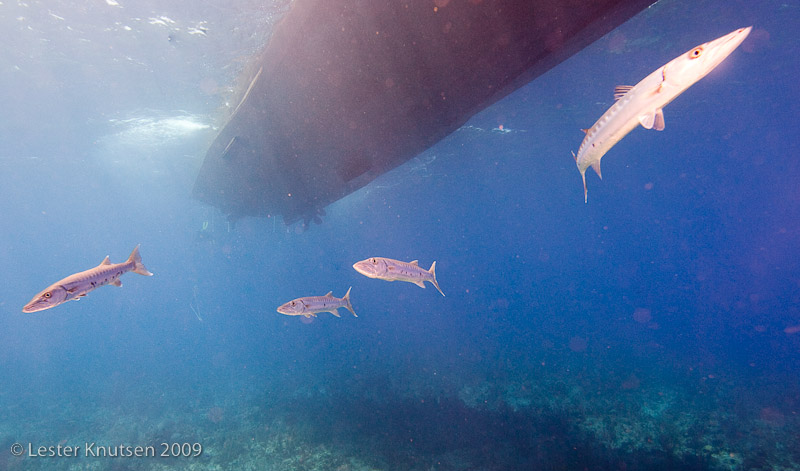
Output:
x=643 y=103
x=388 y=269
x=76 y=286
x=313 y=305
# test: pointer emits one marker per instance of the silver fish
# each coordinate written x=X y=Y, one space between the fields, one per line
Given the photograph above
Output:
x=312 y=305
x=78 y=285
x=394 y=270
x=643 y=103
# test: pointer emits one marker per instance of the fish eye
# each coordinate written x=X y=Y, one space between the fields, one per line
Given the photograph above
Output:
x=696 y=52
x=374 y=260
x=293 y=303
x=47 y=295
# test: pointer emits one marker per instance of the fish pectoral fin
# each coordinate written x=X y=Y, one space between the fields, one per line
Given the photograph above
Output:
x=117 y=282
x=421 y=284
x=653 y=120
x=647 y=120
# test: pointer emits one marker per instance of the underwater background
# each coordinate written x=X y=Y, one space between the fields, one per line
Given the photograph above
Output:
x=656 y=327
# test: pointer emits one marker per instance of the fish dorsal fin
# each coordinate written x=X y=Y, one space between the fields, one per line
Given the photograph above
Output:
x=106 y=261
x=653 y=120
x=621 y=90
x=414 y=262
x=330 y=294
x=585 y=131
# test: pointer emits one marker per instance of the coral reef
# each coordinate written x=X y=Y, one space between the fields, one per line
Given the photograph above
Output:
x=571 y=418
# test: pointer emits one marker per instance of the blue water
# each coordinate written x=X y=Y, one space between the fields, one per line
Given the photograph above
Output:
x=652 y=328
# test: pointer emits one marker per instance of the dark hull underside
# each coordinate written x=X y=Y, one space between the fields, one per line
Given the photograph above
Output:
x=346 y=90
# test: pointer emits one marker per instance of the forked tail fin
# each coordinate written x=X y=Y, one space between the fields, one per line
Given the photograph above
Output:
x=347 y=302
x=138 y=266
x=585 y=191
x=432 y=271
x=583 y=176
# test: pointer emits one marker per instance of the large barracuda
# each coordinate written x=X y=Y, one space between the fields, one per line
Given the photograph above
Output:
x=76 y=286
x=388 y=269
x=346 y=90
x=643 y=102
x=313 y=305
